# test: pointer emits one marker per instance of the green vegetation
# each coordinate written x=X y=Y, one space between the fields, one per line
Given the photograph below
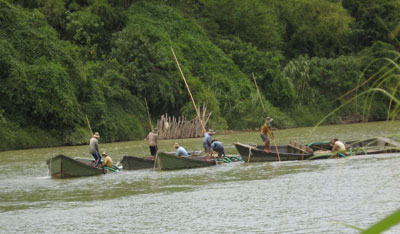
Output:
x=384 y=224
x=61 y=61
x=381 y=87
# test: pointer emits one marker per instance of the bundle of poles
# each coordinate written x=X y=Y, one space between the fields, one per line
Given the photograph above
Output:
x=170 y=127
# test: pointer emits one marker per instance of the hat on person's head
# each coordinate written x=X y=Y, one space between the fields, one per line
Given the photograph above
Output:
x=176 y=145
x=210 y=131
x=269 y=119
x=104 y=153
x=96 y=134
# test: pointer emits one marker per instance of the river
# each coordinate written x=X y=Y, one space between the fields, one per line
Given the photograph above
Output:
x=280 y=197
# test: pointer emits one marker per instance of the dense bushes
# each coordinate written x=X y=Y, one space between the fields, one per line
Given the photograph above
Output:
x=61 y=61
x=47 y=89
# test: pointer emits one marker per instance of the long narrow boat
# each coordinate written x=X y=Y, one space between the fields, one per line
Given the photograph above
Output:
x=376 y=145
x=319 y=150
x=167 y=161
x=62 y=167
x=257 y=153
x=134 y=163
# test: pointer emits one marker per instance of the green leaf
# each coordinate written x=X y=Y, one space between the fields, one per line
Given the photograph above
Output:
x=384 y=224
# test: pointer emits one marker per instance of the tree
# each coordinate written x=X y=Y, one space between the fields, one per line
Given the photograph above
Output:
x=314 y=27
x=375 y=20
x=250 y=20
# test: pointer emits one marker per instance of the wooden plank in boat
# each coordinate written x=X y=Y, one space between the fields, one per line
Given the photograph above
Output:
x=384 y=141
x=300 y=147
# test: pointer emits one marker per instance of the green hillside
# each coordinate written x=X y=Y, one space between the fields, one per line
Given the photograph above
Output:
x=62 y=61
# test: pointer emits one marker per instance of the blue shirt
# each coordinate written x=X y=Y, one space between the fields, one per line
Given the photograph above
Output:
x=217 y=146
x=207 y=140
x=182 y=151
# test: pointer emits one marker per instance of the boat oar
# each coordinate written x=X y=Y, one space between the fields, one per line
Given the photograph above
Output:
x=265 y=112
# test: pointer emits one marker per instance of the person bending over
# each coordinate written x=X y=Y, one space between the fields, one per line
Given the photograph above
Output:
x=338 y=146
x=180 y=151
x=218 y=147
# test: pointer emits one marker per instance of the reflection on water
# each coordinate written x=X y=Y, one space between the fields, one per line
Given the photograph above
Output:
x=278 y=197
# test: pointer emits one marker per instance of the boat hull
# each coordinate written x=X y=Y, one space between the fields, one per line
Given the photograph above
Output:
x=64 y=167
x=173 y=162
x=257 y=153
x=134 y=163
x=377 y=145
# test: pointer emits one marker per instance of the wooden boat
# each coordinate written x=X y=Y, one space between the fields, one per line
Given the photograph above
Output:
x=191 y=153
x=319 y=150
x=133 y=163
x=377 y=145
x=65 y=167
x=167 y=161
x=257 y=153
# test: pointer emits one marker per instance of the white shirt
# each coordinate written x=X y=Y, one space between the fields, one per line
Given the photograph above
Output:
x=338 y=146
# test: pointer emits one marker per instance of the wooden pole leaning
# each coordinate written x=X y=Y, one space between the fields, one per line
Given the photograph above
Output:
x=151 y=126
x=90 y=129
x=265 y=111
x=187 y=87
x=258 y=92
x=148 y=113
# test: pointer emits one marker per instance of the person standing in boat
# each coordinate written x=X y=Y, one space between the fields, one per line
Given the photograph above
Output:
x=94 y=148
x=218 y=147
x=338 y=146
x=207 y=143
x=152 y=138
x=265 y=131
x=180 y=151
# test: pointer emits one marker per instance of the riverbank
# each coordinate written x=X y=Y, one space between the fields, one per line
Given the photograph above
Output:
x=29 y=139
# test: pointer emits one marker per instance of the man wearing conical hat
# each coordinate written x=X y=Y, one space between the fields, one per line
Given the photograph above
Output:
x=94 y=148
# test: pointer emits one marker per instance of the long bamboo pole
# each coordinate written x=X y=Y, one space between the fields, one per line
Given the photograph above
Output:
x=265 y=111
x=148 y=113
x=151 y=125
x=187 y=87
x=90 y=129
x=259 y=94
